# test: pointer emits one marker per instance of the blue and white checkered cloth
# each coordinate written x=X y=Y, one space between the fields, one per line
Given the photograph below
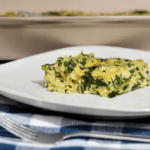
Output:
x=43 y=121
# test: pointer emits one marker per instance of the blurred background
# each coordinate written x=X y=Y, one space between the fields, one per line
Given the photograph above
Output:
x=97 y=6
x=34 y=26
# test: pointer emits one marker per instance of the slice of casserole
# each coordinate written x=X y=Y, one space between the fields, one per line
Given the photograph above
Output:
x=89 y=75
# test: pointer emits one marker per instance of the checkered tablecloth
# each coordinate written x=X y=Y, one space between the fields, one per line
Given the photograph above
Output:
x=43 y=120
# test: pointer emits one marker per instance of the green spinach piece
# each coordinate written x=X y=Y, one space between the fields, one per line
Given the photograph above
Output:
x=78 y=88
x=98 y=93
x=113 y=94
x=47 y=67
x=119 y=80
x=103 y=59
x=126 y=60
x=129 y=64
x=100 y=82
x=142 y=77
x=69 y=70
x=88 y=79
x=125 y=87
x=73 y=64
x=83 y=62
x=66 y=63
x=135 y=86
x=60 y=60
x=83 y=87
x=66 y=90
x=132 y=71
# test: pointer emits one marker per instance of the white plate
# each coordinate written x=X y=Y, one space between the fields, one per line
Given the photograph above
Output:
x=22 y=80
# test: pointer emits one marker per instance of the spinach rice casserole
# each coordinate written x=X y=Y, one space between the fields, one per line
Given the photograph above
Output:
x=87 y=74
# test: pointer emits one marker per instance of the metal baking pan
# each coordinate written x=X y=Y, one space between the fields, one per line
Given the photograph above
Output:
x=25 y=36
